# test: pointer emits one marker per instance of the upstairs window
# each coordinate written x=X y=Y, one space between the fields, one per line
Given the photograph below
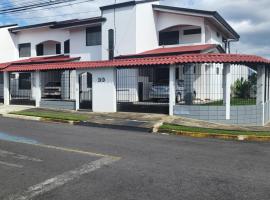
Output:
x=25 y=50
x=58 y=48
x=193 y=31
x=168 y=38
x=67 y=47
x=40 y=49
x=93 y=36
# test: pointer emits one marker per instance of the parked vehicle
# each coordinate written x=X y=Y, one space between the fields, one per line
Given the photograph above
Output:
x=161 y=91
x=52 y=90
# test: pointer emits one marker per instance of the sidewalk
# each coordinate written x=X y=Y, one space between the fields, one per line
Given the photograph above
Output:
x=119 y=120
x=13 y=108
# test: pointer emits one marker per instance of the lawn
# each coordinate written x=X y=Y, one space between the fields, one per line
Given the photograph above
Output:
x=234 y=102
x=55 y=115
x=171 y=128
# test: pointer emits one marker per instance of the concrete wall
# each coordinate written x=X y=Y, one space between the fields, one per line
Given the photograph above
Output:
x=58 y=104
x=244 y=115
x=124 y=27
x=146 y=28
x=37 y=36
x=104 y=93
x=8 y=47
x=78 y=46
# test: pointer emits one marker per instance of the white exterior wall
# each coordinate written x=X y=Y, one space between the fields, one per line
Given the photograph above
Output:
x=104 y=93
x=146 y=28
x=167 y=20
x=78 y=46
x=125 y=31
x=8 y=48
x=37 y=36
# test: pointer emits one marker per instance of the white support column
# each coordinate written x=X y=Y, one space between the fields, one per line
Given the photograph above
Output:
x=77 y=90
x=6 y=88
x=227 y=89
x=261 y=88
x=172 y=90
x=37 y=88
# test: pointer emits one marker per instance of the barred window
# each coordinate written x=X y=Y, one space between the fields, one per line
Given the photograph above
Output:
x=25 y=50
x=93 y=36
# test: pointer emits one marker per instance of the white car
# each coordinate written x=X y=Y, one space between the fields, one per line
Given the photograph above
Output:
x=161 y=91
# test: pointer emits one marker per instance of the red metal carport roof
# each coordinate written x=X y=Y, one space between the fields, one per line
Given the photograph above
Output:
x=136 y=62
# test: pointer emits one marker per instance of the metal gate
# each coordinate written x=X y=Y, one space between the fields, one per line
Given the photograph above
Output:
x=85 y=82
x=20 y=87
x=1 y=87
x=144 y=89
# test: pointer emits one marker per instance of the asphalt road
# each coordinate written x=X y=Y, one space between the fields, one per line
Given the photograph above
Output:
x=44 y=161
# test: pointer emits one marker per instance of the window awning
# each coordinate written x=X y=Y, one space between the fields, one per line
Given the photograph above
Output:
x=250 y=60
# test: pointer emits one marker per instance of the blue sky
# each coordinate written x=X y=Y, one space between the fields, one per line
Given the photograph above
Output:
x=250 y=18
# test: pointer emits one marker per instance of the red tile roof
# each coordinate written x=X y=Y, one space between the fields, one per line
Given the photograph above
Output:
x=174 y=50
x=135 y=62
x=37 y=60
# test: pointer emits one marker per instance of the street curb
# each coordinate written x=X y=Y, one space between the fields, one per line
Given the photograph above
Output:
x=78 y=123
x=22 y=117
x=217 y=136
x=113 y=126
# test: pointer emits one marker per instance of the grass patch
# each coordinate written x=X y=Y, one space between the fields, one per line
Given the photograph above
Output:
x=55 y=115
x=171 y=128
x=234 y=102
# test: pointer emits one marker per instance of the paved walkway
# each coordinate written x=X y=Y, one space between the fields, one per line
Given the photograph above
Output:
x=12 y=108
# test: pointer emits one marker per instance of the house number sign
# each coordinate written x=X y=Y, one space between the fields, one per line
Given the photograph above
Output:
x=101 y=80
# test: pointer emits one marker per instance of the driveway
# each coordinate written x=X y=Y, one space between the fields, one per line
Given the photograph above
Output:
x=64 y=162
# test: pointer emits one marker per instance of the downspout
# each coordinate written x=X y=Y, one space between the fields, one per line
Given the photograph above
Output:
x=228 y=44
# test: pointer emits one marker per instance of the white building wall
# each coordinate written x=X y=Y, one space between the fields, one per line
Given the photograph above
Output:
x=146 y=28
x=37 y=36
x=212 y=35
x=104 y=93
x=78 y=46
x=8 y=49
x=124 y=27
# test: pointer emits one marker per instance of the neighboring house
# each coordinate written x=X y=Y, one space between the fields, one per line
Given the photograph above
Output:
x=49 y=64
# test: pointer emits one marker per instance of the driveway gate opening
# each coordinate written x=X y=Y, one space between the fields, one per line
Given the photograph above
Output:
x=85 y=83
x=20 y=87
x=144 y=89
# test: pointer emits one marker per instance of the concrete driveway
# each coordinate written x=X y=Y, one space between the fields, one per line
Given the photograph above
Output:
x=147 y=166
x=12 y=108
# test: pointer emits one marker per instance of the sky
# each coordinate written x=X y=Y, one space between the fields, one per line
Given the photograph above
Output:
x=250 y=18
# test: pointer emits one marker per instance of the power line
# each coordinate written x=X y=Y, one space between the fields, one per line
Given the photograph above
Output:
x=45 y=8
x=36 y=6
x=21 y=8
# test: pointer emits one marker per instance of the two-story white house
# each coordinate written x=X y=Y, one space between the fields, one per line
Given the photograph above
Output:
x=127 y=59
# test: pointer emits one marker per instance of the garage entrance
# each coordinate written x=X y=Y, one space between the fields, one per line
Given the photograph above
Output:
x=20 y=87
x=85 y=85
x=144 y=89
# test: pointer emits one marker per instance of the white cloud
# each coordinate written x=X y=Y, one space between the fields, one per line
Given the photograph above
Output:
x=250 y=18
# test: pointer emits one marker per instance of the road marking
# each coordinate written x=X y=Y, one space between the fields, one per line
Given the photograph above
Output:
x=13 y=138
x=62 y=179
x=10 y=164
x=4 y=153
